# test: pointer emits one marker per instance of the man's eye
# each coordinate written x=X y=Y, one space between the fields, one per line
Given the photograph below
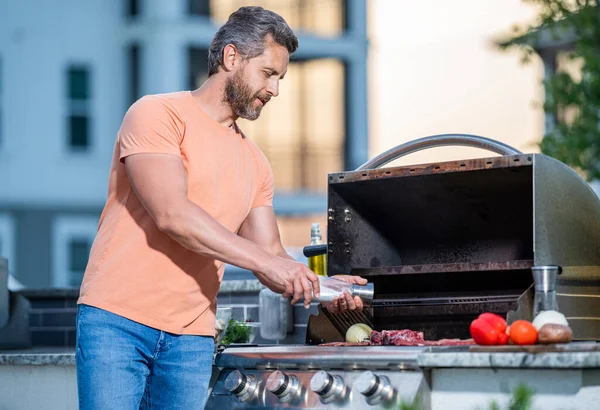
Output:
x=267 y=74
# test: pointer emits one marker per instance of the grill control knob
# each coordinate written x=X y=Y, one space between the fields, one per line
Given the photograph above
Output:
x=329 y=387
x=376 y=389
x=240 y=385
x=283 y=386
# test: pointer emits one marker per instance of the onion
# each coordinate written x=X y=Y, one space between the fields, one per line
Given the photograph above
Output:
x=358 y=333
x=549 y=316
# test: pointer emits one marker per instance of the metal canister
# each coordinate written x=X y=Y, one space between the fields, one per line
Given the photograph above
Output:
x=544 y=278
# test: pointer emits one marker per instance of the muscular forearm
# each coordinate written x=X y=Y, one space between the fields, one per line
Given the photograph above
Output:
x=195 y=229
x=284 y=254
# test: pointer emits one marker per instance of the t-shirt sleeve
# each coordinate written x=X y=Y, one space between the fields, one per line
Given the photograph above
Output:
x=264 y=196
x=150 y=126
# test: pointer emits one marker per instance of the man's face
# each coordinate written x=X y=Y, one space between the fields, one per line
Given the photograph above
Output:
x=256 y=81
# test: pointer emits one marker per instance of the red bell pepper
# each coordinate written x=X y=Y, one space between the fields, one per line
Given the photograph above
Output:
x=495 y=320
x=502 y=338
x=483 y=333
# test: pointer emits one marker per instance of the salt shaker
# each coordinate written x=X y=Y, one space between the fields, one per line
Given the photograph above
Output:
x=332 y=288
x=544 y=278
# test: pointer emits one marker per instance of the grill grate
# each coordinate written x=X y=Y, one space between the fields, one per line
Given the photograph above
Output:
x=344 y=320
x=445 y=300
x=329 y=327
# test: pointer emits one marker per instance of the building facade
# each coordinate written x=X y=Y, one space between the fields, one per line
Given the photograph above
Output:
x=70 y=69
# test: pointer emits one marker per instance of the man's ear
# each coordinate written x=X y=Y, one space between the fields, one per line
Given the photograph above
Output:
x=231 y=57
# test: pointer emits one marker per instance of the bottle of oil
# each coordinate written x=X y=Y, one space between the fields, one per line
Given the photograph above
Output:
x=318 y=264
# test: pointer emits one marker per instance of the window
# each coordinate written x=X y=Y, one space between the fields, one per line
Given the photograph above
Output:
x=78 y=95
x=79 y=251
x=78 y=83
x=79 y=131
x=197 y=67
x=72 y=238
x=321 y=17
x=199 y=7
x=7 y=241
x=133 y=8
x=134 y=72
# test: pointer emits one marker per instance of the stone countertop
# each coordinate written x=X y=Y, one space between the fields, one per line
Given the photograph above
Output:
x=444 y=359
x=513 y=360
x=39 y=356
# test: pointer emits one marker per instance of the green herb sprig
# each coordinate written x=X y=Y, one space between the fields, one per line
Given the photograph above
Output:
x=237 y=332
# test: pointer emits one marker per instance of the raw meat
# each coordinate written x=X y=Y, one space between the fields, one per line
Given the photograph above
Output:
x=404 y=337
x=346 y=344
x=449 y=342
x=376 y=338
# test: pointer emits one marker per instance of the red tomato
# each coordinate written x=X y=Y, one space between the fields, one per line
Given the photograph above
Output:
x=495 y=320
x=523 y=332
x=483 y=333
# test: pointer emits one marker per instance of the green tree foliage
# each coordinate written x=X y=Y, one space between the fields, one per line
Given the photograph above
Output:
x=575 y=102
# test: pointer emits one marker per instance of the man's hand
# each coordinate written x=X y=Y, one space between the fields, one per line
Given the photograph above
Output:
x=290 y=278
x=282 y=274
x=346 y=302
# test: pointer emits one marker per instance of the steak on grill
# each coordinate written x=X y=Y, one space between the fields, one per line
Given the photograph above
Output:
x=406 y=337
x=403 y=337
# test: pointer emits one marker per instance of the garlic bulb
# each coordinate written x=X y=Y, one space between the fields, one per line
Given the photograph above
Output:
x=358 y=332
x=549 y=316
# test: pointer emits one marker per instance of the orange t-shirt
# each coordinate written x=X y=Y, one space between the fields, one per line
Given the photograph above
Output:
x=137 y=271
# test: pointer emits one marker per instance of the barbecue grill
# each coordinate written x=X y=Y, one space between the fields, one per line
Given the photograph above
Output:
x=442 y=243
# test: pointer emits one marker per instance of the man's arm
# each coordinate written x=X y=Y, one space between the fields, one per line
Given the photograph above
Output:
x=261 y=228
x=160 y=182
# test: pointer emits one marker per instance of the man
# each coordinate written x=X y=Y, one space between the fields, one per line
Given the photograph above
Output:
x=187 y=192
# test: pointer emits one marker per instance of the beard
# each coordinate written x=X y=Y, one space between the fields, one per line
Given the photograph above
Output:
x=242 y=100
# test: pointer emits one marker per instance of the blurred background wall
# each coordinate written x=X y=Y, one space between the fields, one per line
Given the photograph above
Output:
x=369 y=74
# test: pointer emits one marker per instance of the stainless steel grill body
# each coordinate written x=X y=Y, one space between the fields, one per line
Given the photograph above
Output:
x=442 y=243
x=354 y=370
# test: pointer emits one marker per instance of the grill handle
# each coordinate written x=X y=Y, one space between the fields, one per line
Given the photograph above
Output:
x=314 y=250
x=434 y=141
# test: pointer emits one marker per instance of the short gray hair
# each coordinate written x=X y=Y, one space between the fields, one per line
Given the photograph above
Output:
x=247 y=29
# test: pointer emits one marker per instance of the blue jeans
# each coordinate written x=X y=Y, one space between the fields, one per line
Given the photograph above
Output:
x=125 y=365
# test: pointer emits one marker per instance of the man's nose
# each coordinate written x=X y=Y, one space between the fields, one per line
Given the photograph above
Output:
x=273 y=87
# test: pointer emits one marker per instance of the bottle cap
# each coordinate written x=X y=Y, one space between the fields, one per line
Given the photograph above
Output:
x=315 y=229
x=364 y=292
